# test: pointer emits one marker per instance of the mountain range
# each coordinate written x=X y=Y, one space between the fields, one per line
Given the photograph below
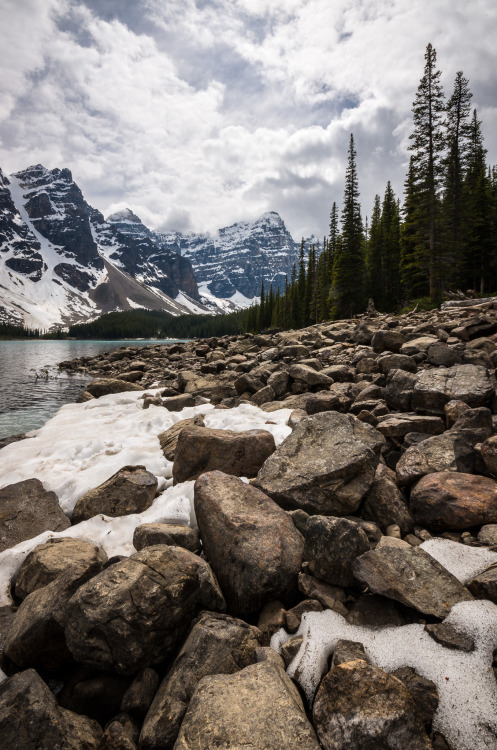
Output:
x=62 y=262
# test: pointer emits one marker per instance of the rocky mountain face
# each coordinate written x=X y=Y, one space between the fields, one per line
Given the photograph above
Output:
x=61 y=262
x=233 y=263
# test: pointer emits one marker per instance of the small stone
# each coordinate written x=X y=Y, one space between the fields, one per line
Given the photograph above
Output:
x=149 y=534
x=290 y=649
x=394 y=531
x=348 y=651
x=449 y=637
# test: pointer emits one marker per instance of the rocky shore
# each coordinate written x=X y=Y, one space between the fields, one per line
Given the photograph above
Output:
x=329 y=580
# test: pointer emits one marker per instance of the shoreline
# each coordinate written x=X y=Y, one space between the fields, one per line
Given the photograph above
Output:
x=371 y=419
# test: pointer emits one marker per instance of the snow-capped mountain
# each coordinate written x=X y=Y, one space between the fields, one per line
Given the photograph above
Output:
x=61 y=262
x=55 y=257
x=232 y=264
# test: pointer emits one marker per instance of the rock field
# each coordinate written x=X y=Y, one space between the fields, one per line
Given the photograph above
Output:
x=202 y=637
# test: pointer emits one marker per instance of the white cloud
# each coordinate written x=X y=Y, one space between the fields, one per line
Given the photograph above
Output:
x=206 y=113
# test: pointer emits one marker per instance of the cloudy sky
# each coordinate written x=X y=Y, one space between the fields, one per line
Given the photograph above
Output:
x=199 y=113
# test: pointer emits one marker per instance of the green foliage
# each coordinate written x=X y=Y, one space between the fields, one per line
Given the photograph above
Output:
x=159 y=324
x=10 y=331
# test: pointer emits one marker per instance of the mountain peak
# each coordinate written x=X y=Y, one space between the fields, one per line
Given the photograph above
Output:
x=125 y=216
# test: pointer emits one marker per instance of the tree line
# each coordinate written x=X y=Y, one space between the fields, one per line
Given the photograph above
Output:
x=443 y=237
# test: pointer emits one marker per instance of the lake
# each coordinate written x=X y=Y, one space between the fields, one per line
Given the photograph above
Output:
x=31 y=387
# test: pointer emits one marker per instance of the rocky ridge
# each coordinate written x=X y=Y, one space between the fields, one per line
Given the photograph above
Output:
x=61 y=262
x=393 y=447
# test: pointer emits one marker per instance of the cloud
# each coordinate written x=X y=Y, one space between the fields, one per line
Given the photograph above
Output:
x=196 y=114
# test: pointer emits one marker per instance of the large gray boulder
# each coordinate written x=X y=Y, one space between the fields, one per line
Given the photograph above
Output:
x=325 y=466
x=217 y=644
x=30 y=718
x=133 y=614
x=54 y=558
x=36 y=636
x=26 y=510
x=201 y=449
x=331 y=546
x=258 y=707
x=446 y=452
x=385 y=505
x=252 y=545
x=436 y=387
x=410 y=576
x=358 y=705
x=130 y=490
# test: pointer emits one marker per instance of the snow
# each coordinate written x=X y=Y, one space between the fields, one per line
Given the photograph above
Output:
x=84 y=444
x=462 y=561
x=190 y=304
x=467 y=713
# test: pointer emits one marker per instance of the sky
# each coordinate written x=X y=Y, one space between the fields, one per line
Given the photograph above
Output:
x=199 y=113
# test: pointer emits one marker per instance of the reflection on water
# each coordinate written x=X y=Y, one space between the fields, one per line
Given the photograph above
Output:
x=31 y=387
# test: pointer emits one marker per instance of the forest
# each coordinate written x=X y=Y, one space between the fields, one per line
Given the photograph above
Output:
x=442 y=238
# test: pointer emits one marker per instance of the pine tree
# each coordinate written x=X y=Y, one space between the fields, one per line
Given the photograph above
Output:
x=478 y=214
x=428 y=156
x=390 y=249
x=413 y=252
x=374 y=257
x=458 y=140
x=349 y=264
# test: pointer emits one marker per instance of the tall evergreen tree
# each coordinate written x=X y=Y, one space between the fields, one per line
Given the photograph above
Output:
x=390 y=249
x=349 y=262
x=413 y=255
x=478 y=214
x=458 y=140
x=428 y=157
x=374 y=256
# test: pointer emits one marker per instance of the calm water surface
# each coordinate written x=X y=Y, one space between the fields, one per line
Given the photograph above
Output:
x=31 y=387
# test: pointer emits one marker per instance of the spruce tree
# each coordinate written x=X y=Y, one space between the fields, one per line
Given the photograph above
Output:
x=458 y=140
x=349 y=263
x=428 y=158
x=478 y=214
x=413 y=255
x=374 y=257
x=390 y=249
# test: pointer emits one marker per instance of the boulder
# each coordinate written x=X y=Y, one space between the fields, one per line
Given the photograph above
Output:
x=179 y=402
x=489 y=454
x=210 y=595
x=248 y=383
x=484 y=585
x=450 y=500
x=488 y=534
x=423 y=692
x=105 y=386
x=419 y=345
x=217 y=644
x=30 y=718
x=436 y=387
x=169 y=438
x=331 y=546
x=359 y=705
x=139 y=696
x=36 y=636
x=325 y=466
x=132 y=489
x=327 y=401
x=345 y=651
x=278 y=381
x=202 y=449
x=446 y=452
x=294 y=615
x=252 y=545
x=26 y=510
x=258 y=707
x=309 y=376
x=57 y=556
x=94 y=694
x=474 y=425
x=331 y=597
x=388 y=362
x=133 y=614
x=398 y=390
x=384 y=504
x=149 y=534
x=387 y=340
x=448 y=636
x=411 y=576
x=399 y=425
x=441 y=355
